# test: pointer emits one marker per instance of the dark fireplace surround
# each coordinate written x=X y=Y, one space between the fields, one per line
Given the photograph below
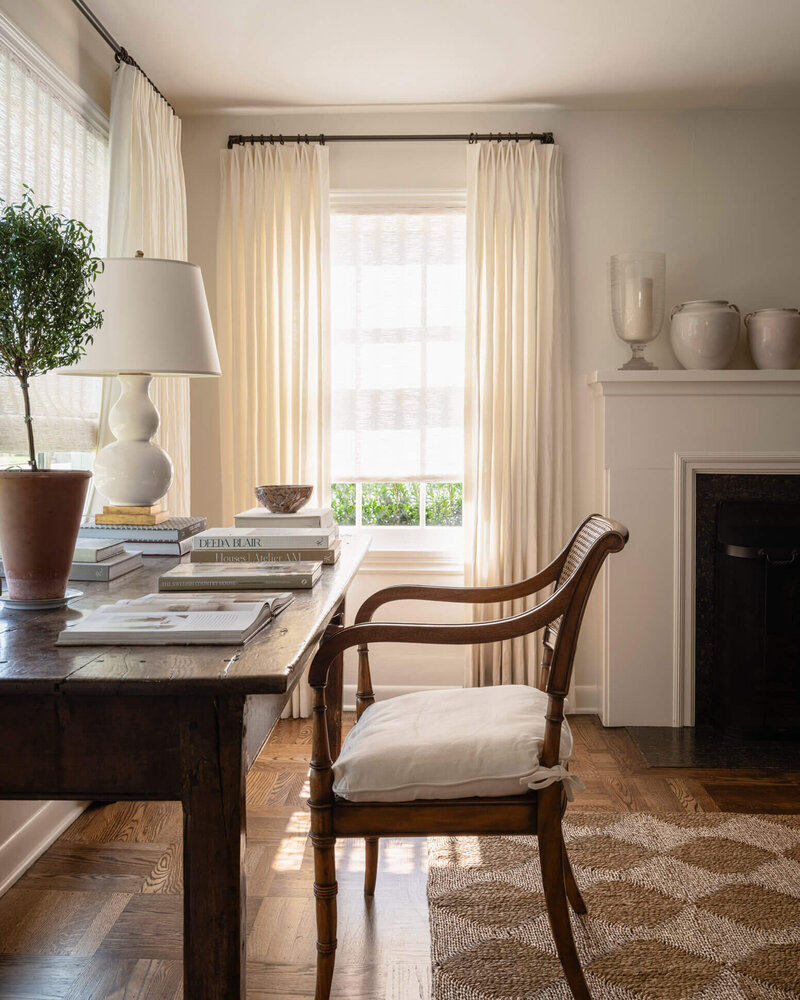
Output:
x=768 y=692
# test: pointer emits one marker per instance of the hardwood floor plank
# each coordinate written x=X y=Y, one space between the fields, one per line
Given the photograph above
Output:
x=113 y=867
x=30 y=977
x=106 y=978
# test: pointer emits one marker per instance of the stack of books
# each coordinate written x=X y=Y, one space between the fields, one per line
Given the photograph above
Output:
x=172 y=537
x=154 y=513
x=261 y=536
x=99 y=559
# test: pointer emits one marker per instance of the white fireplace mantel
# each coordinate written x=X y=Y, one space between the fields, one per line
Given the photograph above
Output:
x=679 y=382
x=655 y=431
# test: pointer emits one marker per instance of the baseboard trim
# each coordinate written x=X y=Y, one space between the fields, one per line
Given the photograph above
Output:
x=583 y=700
x=33 y=838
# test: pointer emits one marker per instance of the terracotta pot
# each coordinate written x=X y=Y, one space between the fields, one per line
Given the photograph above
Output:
x=40 y=514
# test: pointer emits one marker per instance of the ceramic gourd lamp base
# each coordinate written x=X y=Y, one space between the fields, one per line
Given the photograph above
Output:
x=40 y=515
x=133 y=471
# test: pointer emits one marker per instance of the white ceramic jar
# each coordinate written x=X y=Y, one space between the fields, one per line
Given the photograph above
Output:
x=704 y=333
x=774 y=337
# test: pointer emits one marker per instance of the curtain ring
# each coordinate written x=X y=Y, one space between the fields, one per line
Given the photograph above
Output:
x=322 y=140
x=280 y=139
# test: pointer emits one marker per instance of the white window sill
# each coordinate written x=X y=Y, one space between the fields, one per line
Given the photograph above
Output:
x=387 y=554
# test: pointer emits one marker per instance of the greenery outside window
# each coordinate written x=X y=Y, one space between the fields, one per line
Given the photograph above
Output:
x=430 y=505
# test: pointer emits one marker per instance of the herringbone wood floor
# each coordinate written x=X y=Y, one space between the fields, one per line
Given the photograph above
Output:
x=99 y=915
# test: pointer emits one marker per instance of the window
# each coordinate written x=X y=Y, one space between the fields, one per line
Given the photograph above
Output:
x=55 y=141
x=398 y=308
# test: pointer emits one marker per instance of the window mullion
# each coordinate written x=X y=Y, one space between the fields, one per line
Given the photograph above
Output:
x=359 y=505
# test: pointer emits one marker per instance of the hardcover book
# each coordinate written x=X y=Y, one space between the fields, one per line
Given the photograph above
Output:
x=309 y=517
x=250 y=576
x=174 y=529
x=90 y=550
x=153 y=508
x=107 y=569
x=159 y=620
x=326 y=556
x=159 y=517
x=160 y=548
x=265 y=538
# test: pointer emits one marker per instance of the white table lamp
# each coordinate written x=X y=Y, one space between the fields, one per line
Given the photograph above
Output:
x=155 y=322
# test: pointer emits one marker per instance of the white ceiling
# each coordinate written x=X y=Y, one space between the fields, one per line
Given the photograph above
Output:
x=206 y=54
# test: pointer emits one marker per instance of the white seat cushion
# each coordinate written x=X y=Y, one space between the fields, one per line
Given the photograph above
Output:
x=446 y=745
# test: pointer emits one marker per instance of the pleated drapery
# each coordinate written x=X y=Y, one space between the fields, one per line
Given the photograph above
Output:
x=272 y=325
x=517 y=483
x=147 y=212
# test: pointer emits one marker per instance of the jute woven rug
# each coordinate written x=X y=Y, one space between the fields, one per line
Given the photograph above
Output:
x=701 y=906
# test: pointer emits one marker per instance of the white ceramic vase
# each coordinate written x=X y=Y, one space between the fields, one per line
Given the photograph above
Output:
x=704 y=333
x=774 y=337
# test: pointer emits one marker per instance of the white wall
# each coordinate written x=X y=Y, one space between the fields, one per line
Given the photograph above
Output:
x=716 y=190
x=64 y=34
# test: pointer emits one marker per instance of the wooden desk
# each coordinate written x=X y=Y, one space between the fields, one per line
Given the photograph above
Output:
x=164 y=722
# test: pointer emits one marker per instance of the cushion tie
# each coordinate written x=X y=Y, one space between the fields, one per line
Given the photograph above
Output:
x=550 y=775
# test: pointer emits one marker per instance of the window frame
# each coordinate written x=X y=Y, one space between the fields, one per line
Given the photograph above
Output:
x=445 y=541
x=60 y=88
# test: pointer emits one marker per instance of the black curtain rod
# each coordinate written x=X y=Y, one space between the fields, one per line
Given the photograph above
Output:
x=120 y=54
x=546 y=138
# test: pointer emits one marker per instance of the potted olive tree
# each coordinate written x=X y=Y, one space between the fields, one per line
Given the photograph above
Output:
x=47 y=315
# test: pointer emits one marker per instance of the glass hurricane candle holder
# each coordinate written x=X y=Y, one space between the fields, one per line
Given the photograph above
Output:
x=637 y=302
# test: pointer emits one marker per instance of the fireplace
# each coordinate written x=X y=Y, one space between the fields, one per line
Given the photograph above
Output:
x=667 y=444
x=747 y=604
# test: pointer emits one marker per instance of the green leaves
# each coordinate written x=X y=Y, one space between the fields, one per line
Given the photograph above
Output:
x=47 y=274
x=386 y=504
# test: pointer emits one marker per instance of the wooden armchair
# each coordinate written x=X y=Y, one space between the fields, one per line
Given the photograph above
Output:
x=530 y=811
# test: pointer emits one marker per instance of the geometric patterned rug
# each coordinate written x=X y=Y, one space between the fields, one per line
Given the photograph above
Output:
x=701 y=906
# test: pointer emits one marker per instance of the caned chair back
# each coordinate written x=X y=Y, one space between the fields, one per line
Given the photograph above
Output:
x=592 y=542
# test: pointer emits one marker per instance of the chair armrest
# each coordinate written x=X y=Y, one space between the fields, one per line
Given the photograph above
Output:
x=461 y=595
x=470 y=595
x=458 y=635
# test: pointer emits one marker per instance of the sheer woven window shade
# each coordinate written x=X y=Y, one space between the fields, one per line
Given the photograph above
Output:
x=55 y=141
x=398 y=344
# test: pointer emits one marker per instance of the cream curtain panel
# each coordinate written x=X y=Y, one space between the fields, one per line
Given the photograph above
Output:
x=517 y=489
x=147 y=212
x=272 y=325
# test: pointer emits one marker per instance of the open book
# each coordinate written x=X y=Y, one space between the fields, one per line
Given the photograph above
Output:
x=165 y=620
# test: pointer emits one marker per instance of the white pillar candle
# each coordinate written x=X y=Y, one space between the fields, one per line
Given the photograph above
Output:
x=638 y=309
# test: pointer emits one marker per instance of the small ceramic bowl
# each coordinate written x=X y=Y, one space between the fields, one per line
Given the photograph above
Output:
x=283 y=499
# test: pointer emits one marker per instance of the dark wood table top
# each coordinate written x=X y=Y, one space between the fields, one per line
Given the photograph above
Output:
x=30 y=662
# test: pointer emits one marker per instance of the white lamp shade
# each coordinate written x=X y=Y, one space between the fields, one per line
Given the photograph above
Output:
x=155 y=321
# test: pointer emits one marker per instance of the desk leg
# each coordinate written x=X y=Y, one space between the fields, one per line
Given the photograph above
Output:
x=213 y=774
x=335 y=692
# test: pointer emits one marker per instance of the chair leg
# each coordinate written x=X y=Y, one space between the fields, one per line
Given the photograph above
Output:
x=576 y=900
x=551 y=852
x=325 y=889
x=371 y=866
